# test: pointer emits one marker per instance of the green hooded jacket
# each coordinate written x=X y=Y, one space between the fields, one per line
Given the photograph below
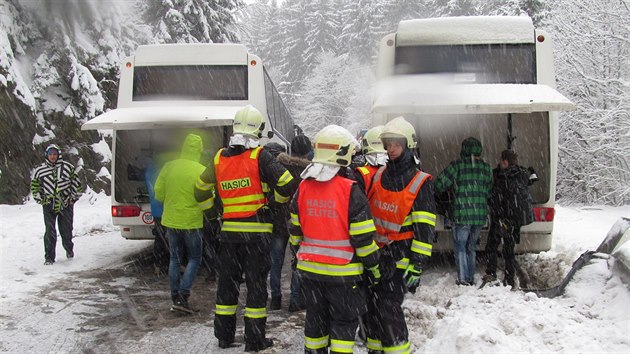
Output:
x=175 y=187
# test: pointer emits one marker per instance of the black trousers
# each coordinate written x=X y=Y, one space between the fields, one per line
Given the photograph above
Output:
x=64 y=220
x=160 y=244
x=385 y=321
x=253 y=260
x=510 y=234
x=210 y=233
x=332 y=309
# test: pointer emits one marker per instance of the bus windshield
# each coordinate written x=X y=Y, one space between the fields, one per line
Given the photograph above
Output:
x=479 y=63
x=190 y=83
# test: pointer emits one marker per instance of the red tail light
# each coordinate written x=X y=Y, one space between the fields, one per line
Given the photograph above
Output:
x=544 y=214
x=125 y=211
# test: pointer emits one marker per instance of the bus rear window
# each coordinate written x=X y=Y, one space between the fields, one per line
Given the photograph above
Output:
x=479 y=63
x=190 y=83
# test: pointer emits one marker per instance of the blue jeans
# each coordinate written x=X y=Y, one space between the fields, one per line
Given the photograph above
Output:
x=464 y=246
x=177 y=241
x=278 y=251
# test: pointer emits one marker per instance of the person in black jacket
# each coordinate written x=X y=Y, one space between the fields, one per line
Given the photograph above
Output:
x=510 y=208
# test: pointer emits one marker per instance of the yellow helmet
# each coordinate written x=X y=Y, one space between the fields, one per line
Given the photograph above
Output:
x=371 y=142
x=248 y=121
x=334 y=145
x=400 y=128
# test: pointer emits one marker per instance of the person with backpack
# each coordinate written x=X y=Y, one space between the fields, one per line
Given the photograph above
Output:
x=510 y=208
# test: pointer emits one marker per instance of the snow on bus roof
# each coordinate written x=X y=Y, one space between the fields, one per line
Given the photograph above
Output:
x=134 y=118
x=465 y=30
x=433 y=94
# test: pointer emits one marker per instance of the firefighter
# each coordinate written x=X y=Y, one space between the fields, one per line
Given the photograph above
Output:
x=244 y=174
x=402 y=204
x=375 y=157
x=332 y=232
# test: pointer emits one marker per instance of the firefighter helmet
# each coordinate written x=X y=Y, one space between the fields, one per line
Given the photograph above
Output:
x=248 y=121
x=371 y=142
x=334 y=145
x=400 y=128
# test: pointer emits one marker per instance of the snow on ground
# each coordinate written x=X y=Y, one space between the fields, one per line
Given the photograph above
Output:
x=592 y=316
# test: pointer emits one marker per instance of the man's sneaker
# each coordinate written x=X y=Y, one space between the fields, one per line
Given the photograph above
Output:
x=276 y=303
x=258 y=346
x=181 y=304
x=489 y=278
x=70 y=254
x=223 y=344
x=49 y=262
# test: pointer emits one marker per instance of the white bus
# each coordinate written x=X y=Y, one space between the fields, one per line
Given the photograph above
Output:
x=167 y=91
x=491 y=78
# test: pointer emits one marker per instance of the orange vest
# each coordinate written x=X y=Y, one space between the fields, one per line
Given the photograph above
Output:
x=239 y=185
x=367 y=172
x=390 y=210
x=323 y=213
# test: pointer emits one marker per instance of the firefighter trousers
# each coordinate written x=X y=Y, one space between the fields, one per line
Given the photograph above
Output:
x=332 y=315
x=236 y=259
x=385 y=324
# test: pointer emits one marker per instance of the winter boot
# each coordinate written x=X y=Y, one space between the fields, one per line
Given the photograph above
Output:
x=294 y=307
x=49 y=262
x=69 y=254
x=181 y=304
x=489 y=278
x=258 y=346
x=223 y=344
x=276 y=303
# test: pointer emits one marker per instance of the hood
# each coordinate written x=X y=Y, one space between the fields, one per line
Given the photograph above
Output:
x=288 y=160
x=274 y=149
x=192 y=147
x=471 y=147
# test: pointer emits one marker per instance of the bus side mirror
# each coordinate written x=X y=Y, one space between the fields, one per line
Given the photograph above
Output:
x=270 y=134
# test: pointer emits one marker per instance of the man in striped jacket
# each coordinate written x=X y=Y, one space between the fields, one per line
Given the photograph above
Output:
x=56 y=187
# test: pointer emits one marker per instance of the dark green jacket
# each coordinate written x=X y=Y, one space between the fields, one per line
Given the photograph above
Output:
x=471 y=180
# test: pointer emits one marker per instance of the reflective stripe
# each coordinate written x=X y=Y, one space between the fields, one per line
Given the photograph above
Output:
x=417 y=182
x=402 y=263
x=387 y=224
x=265 y=187
x=402 y=348
x=239 y=208
x=341 y=346
x=254 y=154
x=374 y=344
x=226 y=310
x=340 y=243
x=295 y=220
x=251 y=312
x=207 y=204
x=358 y=228
x=331 y=269
x=316 y=343
x=408 y=220
x=217 y=156
x=295 y=240
x=326 y=251
x=382 y=239
x=244 y=199
x=284 y=179
x=280 y=198
x=201 y=185
x=243 y=226
x=421 y=247
x=423 y=217
x=364 y=171
x=367 y=250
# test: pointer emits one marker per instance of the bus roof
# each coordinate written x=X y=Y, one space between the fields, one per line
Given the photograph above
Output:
x=465 y=30
x=135 y=118
x=190 y=54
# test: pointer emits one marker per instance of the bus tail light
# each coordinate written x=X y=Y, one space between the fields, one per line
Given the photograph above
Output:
x=125 y=211
x=544 y=214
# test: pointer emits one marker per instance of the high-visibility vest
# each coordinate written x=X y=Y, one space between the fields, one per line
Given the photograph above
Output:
x=367 y=172
x=323 y=213
x=238 y=184
x=391 y=210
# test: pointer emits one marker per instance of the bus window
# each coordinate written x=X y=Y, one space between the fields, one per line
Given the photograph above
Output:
x=278 y=113
x=190 y=82
x=486 y=64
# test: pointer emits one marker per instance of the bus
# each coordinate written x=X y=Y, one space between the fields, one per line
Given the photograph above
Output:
x=167 y=91
x=489 y=77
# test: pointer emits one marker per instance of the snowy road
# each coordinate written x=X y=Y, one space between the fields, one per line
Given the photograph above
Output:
x=108 y=300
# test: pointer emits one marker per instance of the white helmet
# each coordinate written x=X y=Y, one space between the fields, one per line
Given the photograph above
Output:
x=371 y=142
x=400 y=128
x=249 y=122
x=334 y=145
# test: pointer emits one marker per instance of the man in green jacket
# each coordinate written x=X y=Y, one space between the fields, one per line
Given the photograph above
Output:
x=471 y=180
x=182 y=217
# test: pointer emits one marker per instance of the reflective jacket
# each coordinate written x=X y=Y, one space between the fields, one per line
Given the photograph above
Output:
x=335 y=248
x=239 y=186
x=366 y=173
